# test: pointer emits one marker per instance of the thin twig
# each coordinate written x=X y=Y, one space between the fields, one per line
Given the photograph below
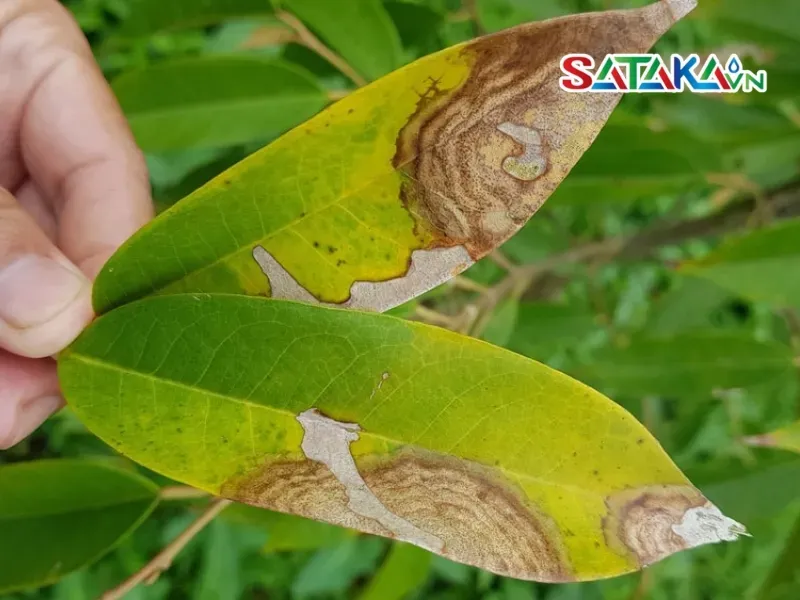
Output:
x=181 y=492
x=162 y=561
x=310 y=41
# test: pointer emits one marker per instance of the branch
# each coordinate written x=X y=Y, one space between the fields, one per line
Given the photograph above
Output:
x=783 y=203
x=310 y=41
x=163 y=560
x=181 y=492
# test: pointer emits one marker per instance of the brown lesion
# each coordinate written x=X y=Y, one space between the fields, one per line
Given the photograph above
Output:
x=453 y=149
x=481 y=518
x=640 y=521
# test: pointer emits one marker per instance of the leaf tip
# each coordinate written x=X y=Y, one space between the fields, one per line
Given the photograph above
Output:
x=707 y=525
x=680 y=8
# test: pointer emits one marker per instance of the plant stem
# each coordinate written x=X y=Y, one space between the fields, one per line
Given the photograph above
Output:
x=163 y=560
x=181 y=492
x=310 y=41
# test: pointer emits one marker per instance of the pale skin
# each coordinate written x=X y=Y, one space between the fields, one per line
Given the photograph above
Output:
x=73 y=187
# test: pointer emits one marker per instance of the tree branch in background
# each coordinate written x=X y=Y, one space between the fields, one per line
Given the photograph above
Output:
x=310 y=41
x=181 y=492
x=163 y=560
x=782 y=203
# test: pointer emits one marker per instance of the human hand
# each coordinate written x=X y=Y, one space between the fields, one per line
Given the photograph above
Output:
x=73 y=187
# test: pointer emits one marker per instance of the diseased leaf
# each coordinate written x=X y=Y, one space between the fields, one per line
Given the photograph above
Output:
x=57 y=516
x=397 y=187
x=786 y=438
x=404 y=570
x=386 y=426
x=286 y=531
x=361 y=31
x=758 y=265
x=147 y=17
x=215 y=102
x=694 y=363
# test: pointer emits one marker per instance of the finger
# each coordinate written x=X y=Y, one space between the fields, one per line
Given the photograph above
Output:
x=77 y=146
x=44 y=299
x=31 y=200
x=28 y=396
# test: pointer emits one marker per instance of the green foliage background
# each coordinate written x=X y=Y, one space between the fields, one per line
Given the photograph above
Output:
x=702 y=355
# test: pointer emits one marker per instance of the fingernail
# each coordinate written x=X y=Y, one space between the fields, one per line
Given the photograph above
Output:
x=26 y=418
x=34 y=289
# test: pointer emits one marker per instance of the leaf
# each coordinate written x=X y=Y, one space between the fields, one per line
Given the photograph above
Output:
x=333 y=570
x=630 y=161
x=147 y=17
x=689 y=304
x=286 y=531
x=783 y=578
x=459 y=447
x=786 y=438
x=57 y=516
x=405 y=569
x=395 y=188
x=761 y=493
x=545 y=327
x=694 y=363
x=501 y=325
x=213 y=102
x=417 y=25
x=495 y=15
x=777 y=25
x=361 y=31
x=756 y=265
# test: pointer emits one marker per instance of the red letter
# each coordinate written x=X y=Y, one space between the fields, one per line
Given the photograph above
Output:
x=577 y=77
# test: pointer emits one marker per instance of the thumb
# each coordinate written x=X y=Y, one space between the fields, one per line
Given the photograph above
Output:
x=45 y=301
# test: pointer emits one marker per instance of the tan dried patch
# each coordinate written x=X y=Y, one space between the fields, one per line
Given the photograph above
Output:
x=482 y=520
x=641 y=522
x=304 y=487
x=467 y=179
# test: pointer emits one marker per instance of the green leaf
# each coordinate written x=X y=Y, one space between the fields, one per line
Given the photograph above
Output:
x=288 y=532
x=495 y=15
x=213 y=102
x=543 y=328
x=785 y=438
x=783 y=578
x=417 y=25
x=776 y=23
x=689 y=304
x=503 y=322
x=693 y=363
x=147 y=17
x=761 y=493
x=405 y=569
x=220 y=574
x=383 y=195
x=757 y=265
x=333 y=570
x=385 y=426
x=631 y=161
x=361 y=31
x=57 y=516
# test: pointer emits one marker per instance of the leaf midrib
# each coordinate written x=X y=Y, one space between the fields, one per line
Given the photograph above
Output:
x=67 y=354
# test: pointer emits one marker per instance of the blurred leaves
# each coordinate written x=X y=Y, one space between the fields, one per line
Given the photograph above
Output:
x=361 y=31
x=686 y=364
x=785 y=438
x=404 y=569
x=58 y=515
x=216 y=101
x=757 y=265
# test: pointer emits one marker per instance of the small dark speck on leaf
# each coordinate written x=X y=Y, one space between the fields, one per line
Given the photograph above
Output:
x=228 y=182
x=640 y=441
x=316 y=244
x=224 y=440
x=575 y=453
x=595 y=472
x=350 y=111
x=331 y=249
x=341 y=262
x=179 y=430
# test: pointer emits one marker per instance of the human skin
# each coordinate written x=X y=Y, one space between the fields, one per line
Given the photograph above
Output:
x=73 y=187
